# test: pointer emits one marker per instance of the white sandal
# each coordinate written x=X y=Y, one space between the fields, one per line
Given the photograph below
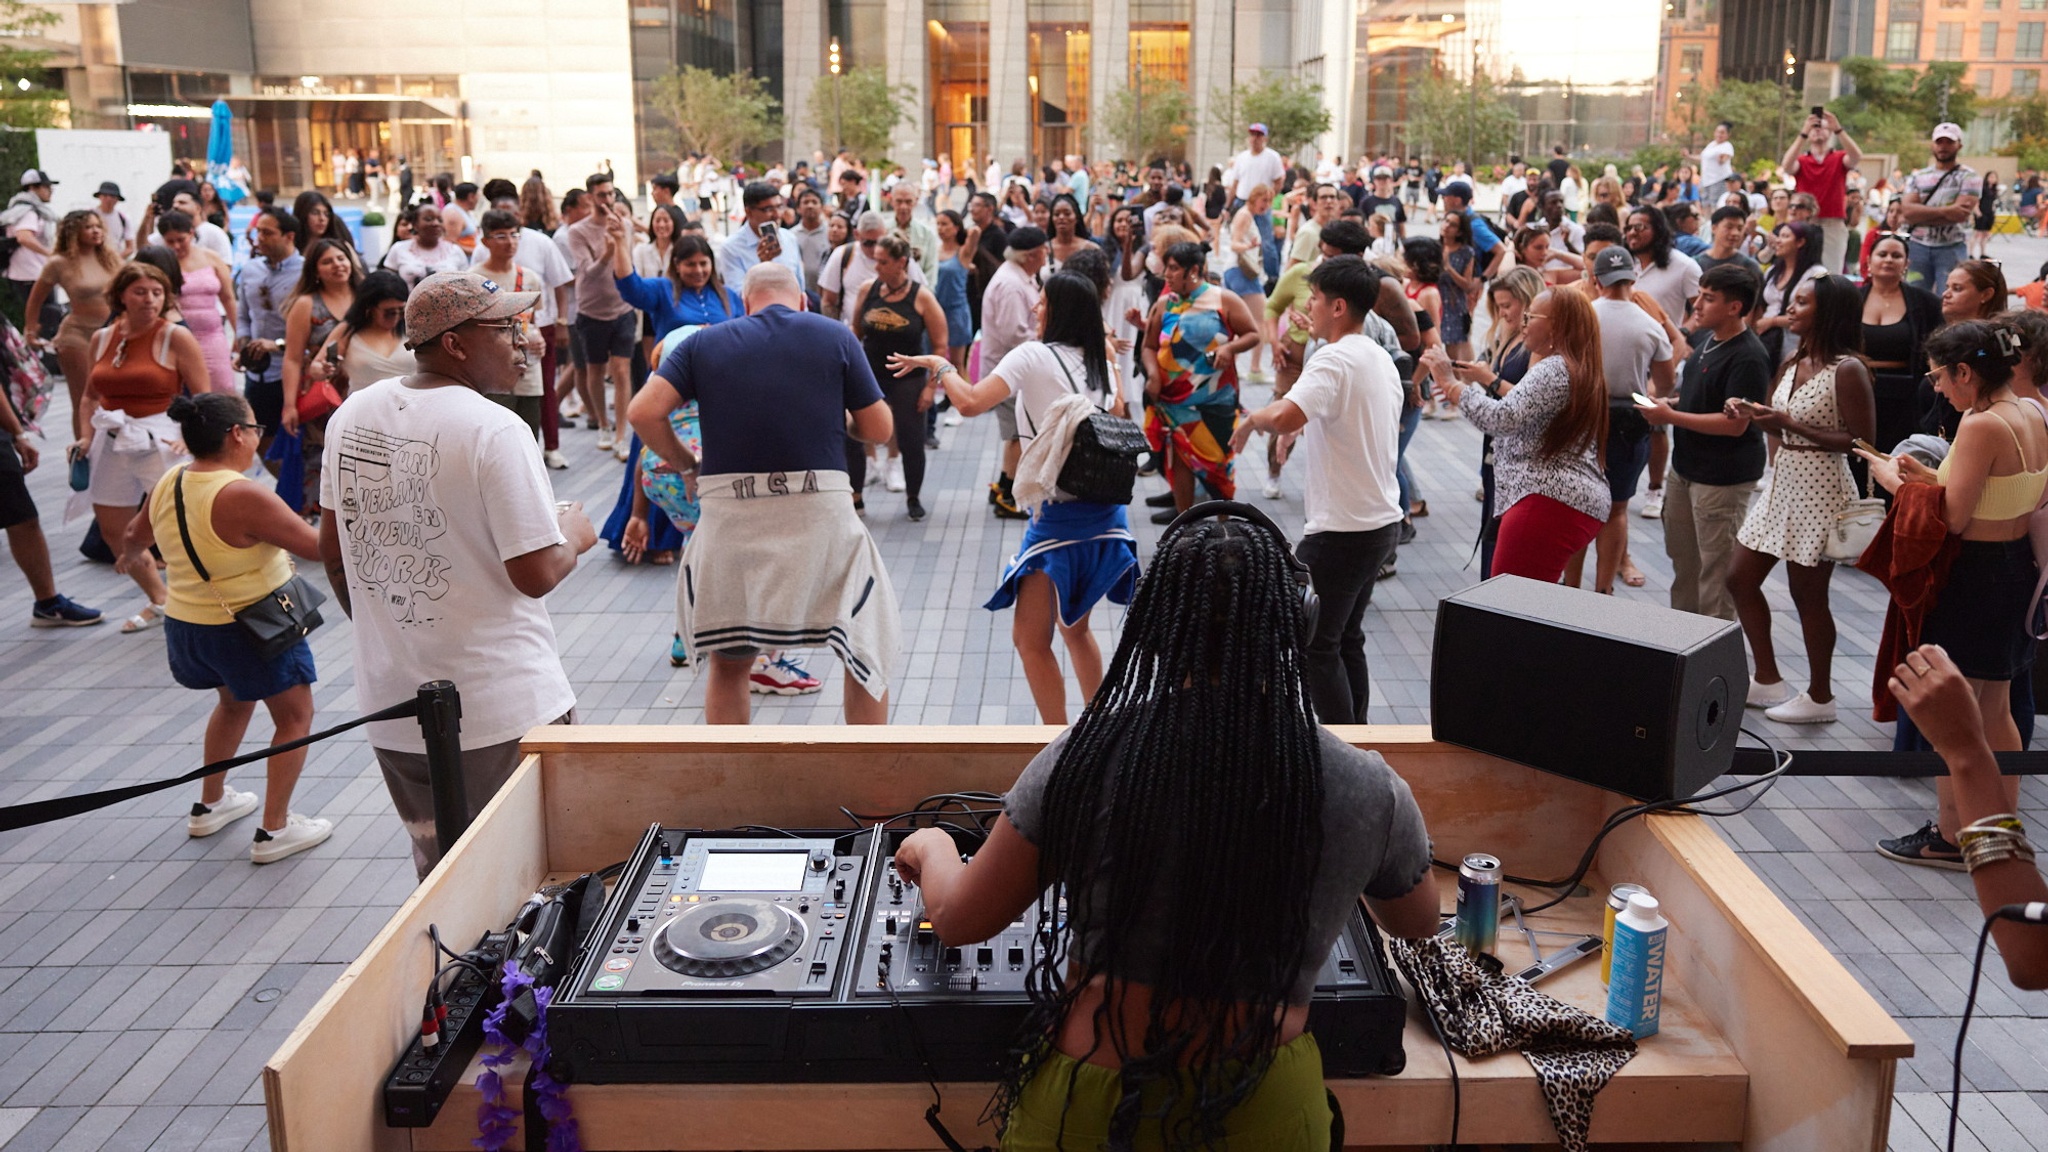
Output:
x=143 y=621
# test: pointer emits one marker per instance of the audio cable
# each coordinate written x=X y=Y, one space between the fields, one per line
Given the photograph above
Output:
x=2034 y=913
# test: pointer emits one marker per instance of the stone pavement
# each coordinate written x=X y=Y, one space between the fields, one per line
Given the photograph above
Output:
x=146 y=976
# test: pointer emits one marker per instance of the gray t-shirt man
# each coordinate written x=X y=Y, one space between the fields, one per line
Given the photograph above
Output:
x=1374 y=843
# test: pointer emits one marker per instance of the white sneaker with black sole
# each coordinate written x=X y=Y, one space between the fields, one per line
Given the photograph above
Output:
x=298 y=834
x=206 y=819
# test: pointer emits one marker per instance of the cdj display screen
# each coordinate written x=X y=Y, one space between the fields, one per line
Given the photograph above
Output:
x=754 y=872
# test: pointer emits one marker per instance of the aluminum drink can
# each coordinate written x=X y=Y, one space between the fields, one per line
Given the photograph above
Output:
x=1617 y=899
x=1479 y=903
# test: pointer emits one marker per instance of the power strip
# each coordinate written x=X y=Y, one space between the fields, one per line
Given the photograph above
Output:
x=424 y=1077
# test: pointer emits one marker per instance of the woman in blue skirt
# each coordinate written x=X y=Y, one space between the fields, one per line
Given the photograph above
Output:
x=1074 y=553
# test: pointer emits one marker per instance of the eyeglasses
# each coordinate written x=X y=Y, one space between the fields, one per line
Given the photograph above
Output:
x=251 y=426
x=867 y=245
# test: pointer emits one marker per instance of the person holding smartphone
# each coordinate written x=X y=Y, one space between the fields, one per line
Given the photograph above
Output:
x=1822 y=171
x=1717 y=457
x=760 y=239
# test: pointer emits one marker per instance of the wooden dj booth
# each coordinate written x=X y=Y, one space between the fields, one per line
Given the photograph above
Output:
x=1767 y=1043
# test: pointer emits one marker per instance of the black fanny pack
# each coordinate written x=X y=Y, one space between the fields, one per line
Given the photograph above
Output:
x=278 y=621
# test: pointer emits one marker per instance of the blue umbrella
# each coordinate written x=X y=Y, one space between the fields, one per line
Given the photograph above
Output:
x=220 y=149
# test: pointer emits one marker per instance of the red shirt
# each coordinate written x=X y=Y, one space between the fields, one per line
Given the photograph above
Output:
x=1826 y=179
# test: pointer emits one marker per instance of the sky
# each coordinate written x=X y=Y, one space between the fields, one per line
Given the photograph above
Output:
x=1588 y=41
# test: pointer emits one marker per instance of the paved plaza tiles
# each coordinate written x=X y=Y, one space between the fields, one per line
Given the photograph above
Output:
x=146 y=976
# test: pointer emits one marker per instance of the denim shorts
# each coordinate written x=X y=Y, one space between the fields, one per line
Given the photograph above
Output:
x=209 y=656
x=1628 y=451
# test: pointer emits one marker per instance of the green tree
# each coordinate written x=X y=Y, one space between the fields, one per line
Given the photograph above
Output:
x=861 y=108
x=1474 y=121
x=1147 y=120
x=720 y=114
x=36 y=107
x=1290 y=106
x=1893 y=109
x=1762 y=117
x=2027 y=119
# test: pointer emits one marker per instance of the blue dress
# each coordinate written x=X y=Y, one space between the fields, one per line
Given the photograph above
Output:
x=950 y=288
x=667 y=311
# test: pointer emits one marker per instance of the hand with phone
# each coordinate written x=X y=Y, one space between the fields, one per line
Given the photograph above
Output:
x=770 y=245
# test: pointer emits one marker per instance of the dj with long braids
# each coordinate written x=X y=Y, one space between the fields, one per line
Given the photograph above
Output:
x=1210 y=840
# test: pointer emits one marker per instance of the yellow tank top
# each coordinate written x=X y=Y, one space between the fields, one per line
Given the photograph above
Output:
x=2006 y=497
x=241 y=576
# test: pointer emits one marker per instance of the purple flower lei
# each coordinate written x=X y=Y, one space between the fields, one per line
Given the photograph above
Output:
x=495 y=1120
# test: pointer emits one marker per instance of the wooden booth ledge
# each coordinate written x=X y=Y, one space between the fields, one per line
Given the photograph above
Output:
x=1767 y=1040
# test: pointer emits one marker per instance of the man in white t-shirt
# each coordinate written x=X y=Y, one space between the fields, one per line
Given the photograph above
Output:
x=205 y=233
x=1717 y=166
x=1254 y=166
x=848 y=268
x=437 y=518
x=1346 y=407
x=538 y=251
x=120 y=229
x=1636 y=357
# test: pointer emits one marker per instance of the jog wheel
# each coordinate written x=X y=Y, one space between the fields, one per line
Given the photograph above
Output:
x=730 y=937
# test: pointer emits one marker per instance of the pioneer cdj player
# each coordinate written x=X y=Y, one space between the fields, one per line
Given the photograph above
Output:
x=763 y=957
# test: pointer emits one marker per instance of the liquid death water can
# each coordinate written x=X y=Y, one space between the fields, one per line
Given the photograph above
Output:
x=1635 y=990
x=1617 y=899
x=1479 y=903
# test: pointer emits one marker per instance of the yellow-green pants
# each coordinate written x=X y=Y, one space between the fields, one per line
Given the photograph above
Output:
x=1289 y=1112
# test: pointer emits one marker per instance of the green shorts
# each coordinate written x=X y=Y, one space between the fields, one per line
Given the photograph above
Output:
x=1290 y=1111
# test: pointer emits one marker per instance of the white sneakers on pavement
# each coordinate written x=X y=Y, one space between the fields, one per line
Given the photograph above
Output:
x=554 y=459
x=298 y=834
x=604 y=439
x=233 y=804
x=895 y=481
x=1653 y=508
x=1802 y=709
x=1769 y=695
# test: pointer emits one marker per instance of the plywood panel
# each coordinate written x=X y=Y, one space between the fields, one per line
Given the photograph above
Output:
x=330 y=1070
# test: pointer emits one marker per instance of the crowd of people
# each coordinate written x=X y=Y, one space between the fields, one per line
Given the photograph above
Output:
x=1766 y=359
x=1744 y=358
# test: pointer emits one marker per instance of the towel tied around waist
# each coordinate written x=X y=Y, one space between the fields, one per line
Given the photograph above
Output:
x=781 y=560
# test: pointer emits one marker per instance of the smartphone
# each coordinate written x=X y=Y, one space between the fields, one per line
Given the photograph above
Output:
x=334 y=355
x=1867 y=446
x=1819 y=111
x=1641 y=400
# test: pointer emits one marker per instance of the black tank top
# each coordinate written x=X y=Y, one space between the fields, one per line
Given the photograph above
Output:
x=1889 y=343
x=891 y=328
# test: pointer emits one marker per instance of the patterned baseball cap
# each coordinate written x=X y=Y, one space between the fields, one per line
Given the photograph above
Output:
x=448 y=299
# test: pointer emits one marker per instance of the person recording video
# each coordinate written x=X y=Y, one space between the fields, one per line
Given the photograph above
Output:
x=1210 y=840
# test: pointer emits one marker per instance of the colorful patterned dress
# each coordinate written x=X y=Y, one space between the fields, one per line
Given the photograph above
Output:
x=1197 y=409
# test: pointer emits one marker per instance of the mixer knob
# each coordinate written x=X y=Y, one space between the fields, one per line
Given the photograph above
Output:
x=839 y=889
x=819 y=860
x=632 y=923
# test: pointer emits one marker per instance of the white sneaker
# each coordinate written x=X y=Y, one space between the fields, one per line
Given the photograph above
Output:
x=298 y=834
x=623 y=449
x=951 y=419
x=1653 y=508
x=604 y=439
x=1272 y=489
x=896 y=482
x=1769 y=695
x=1802 y=709
x=555 y=459
x=233 y=805
x=875 y=470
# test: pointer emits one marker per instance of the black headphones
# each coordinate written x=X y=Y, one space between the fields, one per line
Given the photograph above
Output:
x=1311 y=606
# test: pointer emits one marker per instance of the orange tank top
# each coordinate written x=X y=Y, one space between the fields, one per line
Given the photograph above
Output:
x=134 y=374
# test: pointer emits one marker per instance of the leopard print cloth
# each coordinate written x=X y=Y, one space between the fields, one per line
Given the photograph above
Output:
x=1483 y=1012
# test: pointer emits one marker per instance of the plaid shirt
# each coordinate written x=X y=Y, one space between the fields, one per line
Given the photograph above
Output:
x=1939 y=188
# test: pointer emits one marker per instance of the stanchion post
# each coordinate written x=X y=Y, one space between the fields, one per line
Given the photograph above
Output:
x=441 y=726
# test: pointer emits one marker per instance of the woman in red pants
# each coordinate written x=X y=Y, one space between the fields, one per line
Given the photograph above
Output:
x=1548 y=430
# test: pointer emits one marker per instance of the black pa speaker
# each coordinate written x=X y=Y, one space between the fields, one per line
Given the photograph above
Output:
x=1631 y=697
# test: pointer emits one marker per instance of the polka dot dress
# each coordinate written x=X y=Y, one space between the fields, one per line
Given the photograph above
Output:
x=1807 y=490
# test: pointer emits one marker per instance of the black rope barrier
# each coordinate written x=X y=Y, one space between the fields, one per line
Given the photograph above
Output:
x=437 y=706
x=1892 y=765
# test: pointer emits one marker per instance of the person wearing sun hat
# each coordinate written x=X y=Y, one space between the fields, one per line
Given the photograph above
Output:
x=437 y=518
x=1937 y=206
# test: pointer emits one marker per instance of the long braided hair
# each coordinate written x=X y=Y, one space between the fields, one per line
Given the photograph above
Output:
x=1188 y=797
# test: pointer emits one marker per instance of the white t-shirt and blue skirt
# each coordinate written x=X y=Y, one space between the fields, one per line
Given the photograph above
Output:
x=1087 y=549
